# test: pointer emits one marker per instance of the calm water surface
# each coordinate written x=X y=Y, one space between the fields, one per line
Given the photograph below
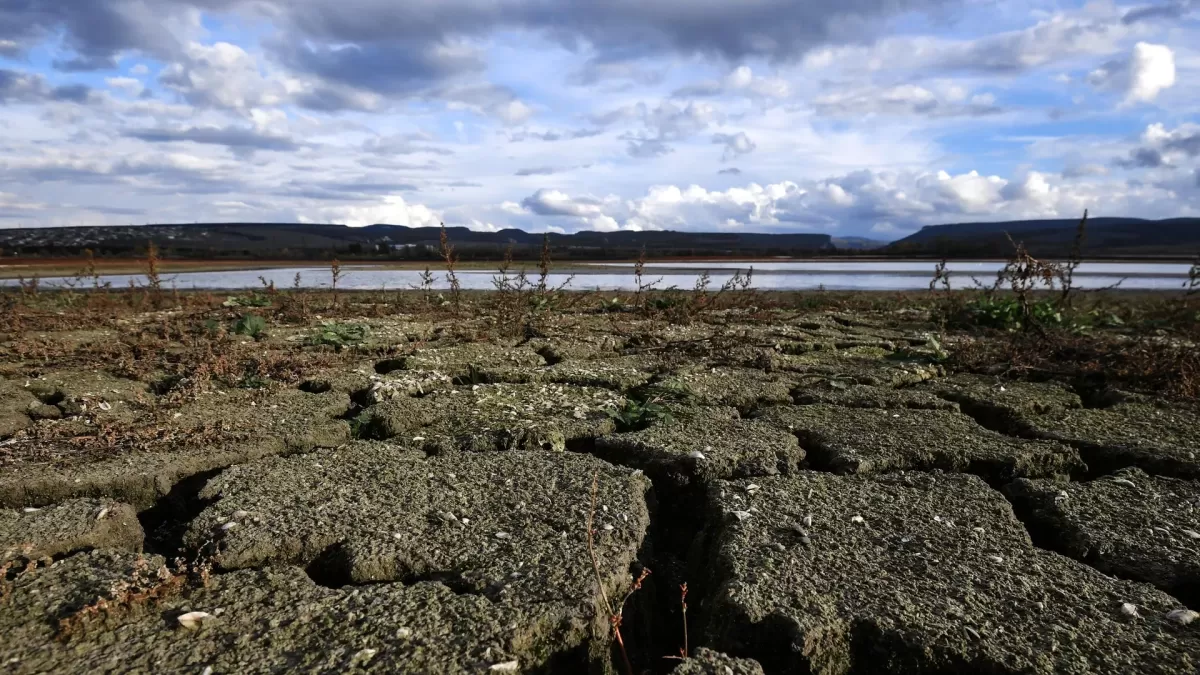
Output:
x=890 y=275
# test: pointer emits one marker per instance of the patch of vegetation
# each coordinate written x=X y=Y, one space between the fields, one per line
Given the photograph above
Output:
x=1008 y=313
x=250 y=325
x=635 y=415
x=253 y=299
x=337 y=334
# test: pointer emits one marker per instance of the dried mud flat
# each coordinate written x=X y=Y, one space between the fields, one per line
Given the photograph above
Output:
x=418 y=501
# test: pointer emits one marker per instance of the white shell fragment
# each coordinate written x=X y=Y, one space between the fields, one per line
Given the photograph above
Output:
x=502 y=535
x=1130 y=610
x=505 y=667
x=857 y=519
x=696 y=454
x=193 y=620
x=1192 y=534
x=1183 y=616
x=1123 y=481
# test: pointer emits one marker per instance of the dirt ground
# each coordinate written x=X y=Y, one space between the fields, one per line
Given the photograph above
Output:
x=362 y=482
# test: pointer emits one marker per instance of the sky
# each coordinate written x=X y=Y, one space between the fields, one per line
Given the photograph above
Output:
x=863 y=118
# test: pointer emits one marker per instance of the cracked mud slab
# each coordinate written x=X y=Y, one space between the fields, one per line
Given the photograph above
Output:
x=862 y=396
x=705 y=661
x=856 y=365
x=741 y=388
x=508 y=525
x=620 y=373
x=705 y=448
x=143 y=463
x=15 y=402
x=1130 y=524
x=918 y=573
x=73 y=525
x=1002 y=403
x=496 y=417
x=848 y=440
x=1158 y=439
x=277 y=620
x=461 y=360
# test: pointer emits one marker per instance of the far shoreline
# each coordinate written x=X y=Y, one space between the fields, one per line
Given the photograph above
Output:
x=13 y=268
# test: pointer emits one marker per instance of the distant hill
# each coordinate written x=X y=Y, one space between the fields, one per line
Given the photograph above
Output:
x=1106 y=237
x=317 y=241
x=1175 y=237
x=858 y=243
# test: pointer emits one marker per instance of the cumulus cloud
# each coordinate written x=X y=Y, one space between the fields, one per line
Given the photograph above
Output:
x=237 y=139
x=222 y=75
x=392 y=210
x=736 y=145
x=16 y=86
x=905 y=99
x=1146 y=72
x=741 y=80
x=1152 y=69
x=1163 y=148
x=861 y=199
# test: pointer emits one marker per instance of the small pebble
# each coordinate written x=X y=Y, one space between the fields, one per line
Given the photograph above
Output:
x=193 y=620
x=1183 y=616
x=505 y=667
x=857 y=519
x=996 y=558
x=1130 y=610
x=1192 y=534
x=240 y=515
x=807 y=520
x=741 y=515
x=696 y=454
x=502 y=535
x=608 y=527
x=228 y=526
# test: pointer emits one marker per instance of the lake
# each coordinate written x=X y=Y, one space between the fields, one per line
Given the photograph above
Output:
x=885 y=275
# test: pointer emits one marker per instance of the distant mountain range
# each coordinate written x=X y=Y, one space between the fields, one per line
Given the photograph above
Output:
x=1174 y=237
x=1105 y=237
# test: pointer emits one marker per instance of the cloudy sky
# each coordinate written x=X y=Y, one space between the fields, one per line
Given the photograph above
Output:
x=854 y=117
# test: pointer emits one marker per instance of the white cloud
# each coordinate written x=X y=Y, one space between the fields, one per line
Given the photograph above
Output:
x=1152 y=69
x=1141 y=77
x=859 y=201
x=392 y=209
x=735 y=145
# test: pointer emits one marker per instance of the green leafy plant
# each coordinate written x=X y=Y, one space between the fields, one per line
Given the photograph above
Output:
x=251 y=379
x=1011 y=314
x=634 y=414
x=250 y=325
x=337 y=334
x=254 y=299
x=612 y=306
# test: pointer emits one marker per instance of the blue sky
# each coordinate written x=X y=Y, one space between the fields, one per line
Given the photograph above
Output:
x=853 y=117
